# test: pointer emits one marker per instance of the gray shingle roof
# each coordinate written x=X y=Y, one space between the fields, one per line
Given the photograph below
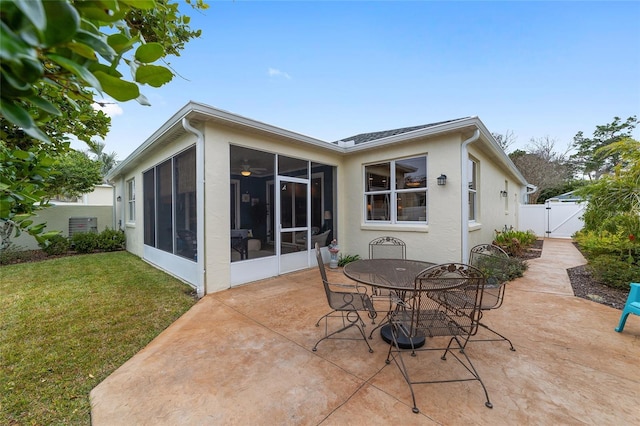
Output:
x=369 y=137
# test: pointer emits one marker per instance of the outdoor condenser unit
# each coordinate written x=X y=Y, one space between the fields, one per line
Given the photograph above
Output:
x=82 y=224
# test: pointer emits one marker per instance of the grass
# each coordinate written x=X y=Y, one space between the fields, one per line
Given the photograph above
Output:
x=67 y=323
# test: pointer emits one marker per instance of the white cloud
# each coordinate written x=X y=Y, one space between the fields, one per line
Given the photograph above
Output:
x=277 y=73
x=109 y=107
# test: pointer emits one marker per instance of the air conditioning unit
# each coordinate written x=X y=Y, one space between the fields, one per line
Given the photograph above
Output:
x=79 y=225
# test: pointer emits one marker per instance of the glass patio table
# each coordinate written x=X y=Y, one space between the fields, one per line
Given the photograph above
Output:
x=390 y=274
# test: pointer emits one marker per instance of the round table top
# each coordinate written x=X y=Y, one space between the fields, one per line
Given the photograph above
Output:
x=396 y=274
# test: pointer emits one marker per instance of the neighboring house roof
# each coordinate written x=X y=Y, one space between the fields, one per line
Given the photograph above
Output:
x=368 y=137
x=196 y=112
x=566 y=197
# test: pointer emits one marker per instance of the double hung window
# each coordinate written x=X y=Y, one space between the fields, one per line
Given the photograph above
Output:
x=396 y=191
x=131 y=201
x=472 y=175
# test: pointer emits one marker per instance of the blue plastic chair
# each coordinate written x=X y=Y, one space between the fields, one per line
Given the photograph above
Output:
x=631 y=307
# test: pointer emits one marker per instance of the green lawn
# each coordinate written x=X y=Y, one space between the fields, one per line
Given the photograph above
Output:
x=67 y=323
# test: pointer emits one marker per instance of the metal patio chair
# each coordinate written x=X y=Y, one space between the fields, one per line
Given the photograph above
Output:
x=494 y=263
x=445 y=301
x=385 y=248
x=346 y=302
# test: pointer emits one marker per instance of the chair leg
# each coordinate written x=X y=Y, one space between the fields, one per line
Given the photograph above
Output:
x=623 y=320
x=492 y=340
x=351 y=323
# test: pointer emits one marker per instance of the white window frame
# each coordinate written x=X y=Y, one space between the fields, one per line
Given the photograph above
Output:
x=472 y=176
x=131 y=200
x=392 y=193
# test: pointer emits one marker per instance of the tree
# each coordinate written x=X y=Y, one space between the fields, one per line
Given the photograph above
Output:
x=107 y=160
x=591 y=158
x=506 y=140
x=74 y=174
x=541 y=165
x=56 y=57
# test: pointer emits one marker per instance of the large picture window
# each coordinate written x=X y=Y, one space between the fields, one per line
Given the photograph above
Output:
x=169 y=193
x=396 y=191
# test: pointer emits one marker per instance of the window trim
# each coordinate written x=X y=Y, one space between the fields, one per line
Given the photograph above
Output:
x=393 y=192
x=131 y=200
x=472 y=177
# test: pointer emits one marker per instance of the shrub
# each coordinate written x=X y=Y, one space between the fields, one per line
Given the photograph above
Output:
x=501 y=269
x=613 y=272
x=111 y=240
x=13 y=253
x=58 y=244
x=85 y=242
x=514 y=242
x=344 y=259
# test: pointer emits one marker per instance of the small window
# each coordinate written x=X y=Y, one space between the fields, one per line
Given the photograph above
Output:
x=396 y=191
x=131 y=201
x=472 y=175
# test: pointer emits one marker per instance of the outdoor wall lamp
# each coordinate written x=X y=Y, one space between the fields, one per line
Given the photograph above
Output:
x=119 y=198
x=503 y=193
x=442 y=179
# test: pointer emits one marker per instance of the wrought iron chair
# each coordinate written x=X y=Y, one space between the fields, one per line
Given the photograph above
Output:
x=346 y=302
x=445 y=301
x=385 y=248
x=494 y=263
x=632 y=306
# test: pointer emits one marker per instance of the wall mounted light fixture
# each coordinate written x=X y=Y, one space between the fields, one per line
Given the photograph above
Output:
x=503 y=193
x=442 y=179
x=119 y=198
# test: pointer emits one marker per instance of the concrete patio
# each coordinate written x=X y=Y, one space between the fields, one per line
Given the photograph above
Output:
x=243 y=356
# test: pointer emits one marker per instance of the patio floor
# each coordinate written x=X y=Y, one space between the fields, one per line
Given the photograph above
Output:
x=243 y=356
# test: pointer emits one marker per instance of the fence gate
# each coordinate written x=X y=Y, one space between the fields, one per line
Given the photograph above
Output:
x=552 y=219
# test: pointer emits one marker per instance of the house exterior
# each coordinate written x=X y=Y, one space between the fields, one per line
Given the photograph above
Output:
x=219 y=200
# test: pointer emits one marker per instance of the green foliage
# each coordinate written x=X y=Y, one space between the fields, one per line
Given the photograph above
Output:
x=74 y=174
x=592 y=156
x=554 y=191
x=13 y=254
x=499 y=270
x=58 y=244
x=612 y=271
x=348 y=258
x=514 y=242
x=111 y=240
x=85 y=242
x=56 y=57
x=76 y=46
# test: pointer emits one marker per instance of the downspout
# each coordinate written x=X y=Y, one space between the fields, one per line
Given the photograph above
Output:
x=464 y=201
x=199 y=205
x=121 y=207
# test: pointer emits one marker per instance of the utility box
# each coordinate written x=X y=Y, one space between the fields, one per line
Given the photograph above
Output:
x=79 y=225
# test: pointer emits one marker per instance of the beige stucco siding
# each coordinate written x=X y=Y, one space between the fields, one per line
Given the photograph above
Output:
x=494 y=211
x=438 y=241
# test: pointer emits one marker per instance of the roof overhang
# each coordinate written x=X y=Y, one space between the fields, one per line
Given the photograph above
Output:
x=198 y=114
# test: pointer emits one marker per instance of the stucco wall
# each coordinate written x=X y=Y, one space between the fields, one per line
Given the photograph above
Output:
x=57 y=219
x=495 y=211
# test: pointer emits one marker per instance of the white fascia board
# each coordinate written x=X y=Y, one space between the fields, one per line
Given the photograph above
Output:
x=249 y=123
x=204 y=112
x=499 y=152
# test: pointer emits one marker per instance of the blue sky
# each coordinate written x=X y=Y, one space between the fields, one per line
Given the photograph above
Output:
x=334 y=69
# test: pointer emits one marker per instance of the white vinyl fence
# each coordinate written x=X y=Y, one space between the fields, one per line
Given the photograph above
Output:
x=552 y=219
